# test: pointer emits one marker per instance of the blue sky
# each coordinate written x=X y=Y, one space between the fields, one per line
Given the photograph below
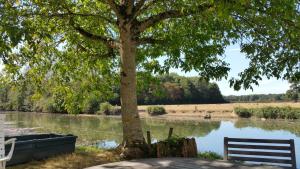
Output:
x=238 y=62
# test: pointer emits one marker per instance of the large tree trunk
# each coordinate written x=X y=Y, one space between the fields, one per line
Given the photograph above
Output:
x=133 y=139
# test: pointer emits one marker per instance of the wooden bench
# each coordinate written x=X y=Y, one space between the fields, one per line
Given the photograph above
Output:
x=261 y=151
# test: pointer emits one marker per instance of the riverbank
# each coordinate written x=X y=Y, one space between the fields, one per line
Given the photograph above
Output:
x=196 y=112
x=209 y=111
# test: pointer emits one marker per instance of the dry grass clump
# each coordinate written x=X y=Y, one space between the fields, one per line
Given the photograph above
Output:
x=83 y=157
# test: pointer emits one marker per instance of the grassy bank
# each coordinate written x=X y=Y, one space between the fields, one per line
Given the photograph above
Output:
x=82 y=157
x=209 y=156
x=85 y=157
x=269 y=112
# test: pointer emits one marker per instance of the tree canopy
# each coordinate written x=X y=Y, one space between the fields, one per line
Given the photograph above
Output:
x=190 y=35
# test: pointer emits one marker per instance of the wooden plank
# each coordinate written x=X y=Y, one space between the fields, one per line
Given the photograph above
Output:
x=259 y=140
x=263 y=147
x=293 y=154
x=260 y=153
x=254 y=159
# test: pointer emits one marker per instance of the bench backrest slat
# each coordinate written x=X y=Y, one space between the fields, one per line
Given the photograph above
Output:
x=260 y=150
x=2 y=151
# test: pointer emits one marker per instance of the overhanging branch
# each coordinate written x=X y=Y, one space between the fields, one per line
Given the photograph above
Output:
x=153 y=20
x=110 y=53
x=138 y=6
x=143 y=6
x=115 y=7
x=109 y=42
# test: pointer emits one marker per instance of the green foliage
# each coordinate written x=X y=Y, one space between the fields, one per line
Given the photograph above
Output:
x=90 y=104
x=88 y=149
x=174 y=141
x=294 y=92
x=257 y=98
x=84 y=95
x=243 y=112
x=269 y=112
x=209 y=156
x=156 y=110
x=107 y=109
x=70 y=37
x=175 y=89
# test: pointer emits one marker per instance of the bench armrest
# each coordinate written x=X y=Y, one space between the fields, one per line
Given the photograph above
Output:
x=3 y=159
x=12 y=142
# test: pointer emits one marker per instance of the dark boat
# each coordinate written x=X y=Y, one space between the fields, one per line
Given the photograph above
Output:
x=40 y=146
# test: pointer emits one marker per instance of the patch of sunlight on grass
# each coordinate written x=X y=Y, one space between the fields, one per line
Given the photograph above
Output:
x=82 y=157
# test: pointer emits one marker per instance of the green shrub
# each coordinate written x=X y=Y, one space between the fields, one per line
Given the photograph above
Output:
x=293 y=114
x=90 y=104
x=107 y=109
x=269 y=112
x=156 y=110
x=243 y=112
x=210 y=156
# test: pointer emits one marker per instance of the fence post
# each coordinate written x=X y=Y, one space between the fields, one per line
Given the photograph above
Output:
x=149 y=137
x=170 y=133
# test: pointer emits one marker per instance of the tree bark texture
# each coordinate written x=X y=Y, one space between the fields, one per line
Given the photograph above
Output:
x=133 y=139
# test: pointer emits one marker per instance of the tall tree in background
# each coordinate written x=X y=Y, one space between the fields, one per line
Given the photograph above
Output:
x=133 y=34
x=294 y=91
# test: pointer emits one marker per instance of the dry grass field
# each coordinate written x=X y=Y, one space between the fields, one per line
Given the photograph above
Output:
x=213 y=110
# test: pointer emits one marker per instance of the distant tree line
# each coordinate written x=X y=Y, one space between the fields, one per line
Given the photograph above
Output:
x=257 y=98
x=293 y=94
x=175 y=89
x=84 y=94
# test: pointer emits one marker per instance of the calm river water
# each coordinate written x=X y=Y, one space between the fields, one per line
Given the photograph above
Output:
x=106 y=132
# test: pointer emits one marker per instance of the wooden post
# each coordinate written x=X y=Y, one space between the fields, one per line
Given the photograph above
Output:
x=170 y=133
x=225 y=148
x=194 y=149
x=149 y=137
x=293 y=156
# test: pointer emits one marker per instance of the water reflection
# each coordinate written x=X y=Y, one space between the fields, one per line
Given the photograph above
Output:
x=107 y=132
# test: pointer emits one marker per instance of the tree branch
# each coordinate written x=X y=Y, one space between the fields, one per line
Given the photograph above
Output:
x=69 y=14
x=142 y=6
x=110 y=53
x=129 y=6
x=139 y=5
x=153 y=20
x=115 y=7
x=109 y=42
